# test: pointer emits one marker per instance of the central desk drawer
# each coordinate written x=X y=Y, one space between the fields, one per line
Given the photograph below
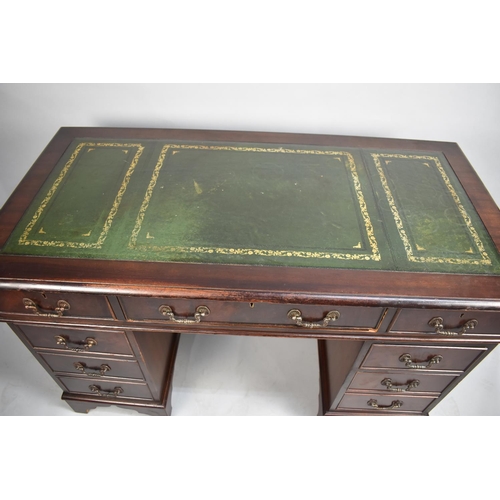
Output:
x=415 y=357
x=74 y=340
x=213 y=311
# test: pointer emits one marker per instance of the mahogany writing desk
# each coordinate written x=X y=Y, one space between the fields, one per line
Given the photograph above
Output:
x=117 y=241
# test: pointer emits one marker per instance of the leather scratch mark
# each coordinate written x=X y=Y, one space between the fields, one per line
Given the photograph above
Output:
x=197 y=188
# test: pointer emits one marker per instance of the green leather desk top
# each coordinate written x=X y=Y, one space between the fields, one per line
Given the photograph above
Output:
x=256 y=204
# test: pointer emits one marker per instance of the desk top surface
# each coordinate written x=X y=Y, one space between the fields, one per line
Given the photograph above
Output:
x=245 y=200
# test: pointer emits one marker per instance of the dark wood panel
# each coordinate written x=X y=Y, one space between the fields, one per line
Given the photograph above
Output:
x=409 y=403
x=84 y=384
x=81 y=305
x=336 y=360
x=435 y=382
x=412 y=320
x=452 y=358
x=156 y=353
x=271 y=284
x=107 y=342
x=145 y=308
x=93 y=366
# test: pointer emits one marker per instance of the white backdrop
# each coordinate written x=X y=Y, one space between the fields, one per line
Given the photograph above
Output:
x=224 y=375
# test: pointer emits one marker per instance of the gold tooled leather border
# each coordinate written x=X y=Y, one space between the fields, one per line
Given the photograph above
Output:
x=485 y=260
x=23 y=240
x=374 y=253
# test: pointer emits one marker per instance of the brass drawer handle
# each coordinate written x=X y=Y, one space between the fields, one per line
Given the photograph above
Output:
x=438 y=325
x=94 y=372
x=296 y=315
x=62 y=306
x=96 y=389
x=409 y=363
x=395 y=404
x=201 y=311
x=79 y=346
x=398 y=387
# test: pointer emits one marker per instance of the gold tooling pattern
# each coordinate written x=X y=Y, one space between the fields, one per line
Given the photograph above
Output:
x=374 y=255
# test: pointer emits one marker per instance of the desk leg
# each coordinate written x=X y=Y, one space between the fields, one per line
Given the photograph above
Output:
x=85 y=406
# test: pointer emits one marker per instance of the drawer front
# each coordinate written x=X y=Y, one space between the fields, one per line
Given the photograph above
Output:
x=385 y=403
x=149 y=309
x=105 y=389
x=454 y=323
x=93 y=367
x=398 y=380
x=421 y=357
x=54 y=305
x=70 y=339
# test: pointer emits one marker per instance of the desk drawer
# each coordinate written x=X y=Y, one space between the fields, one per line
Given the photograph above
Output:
x=54 y=305
x=149 y=309
x=385 y=403
x=105 y=389
x=388 y=381
x=71 y=339
x=454 y=323
x=421 y=357
x=92 y=366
